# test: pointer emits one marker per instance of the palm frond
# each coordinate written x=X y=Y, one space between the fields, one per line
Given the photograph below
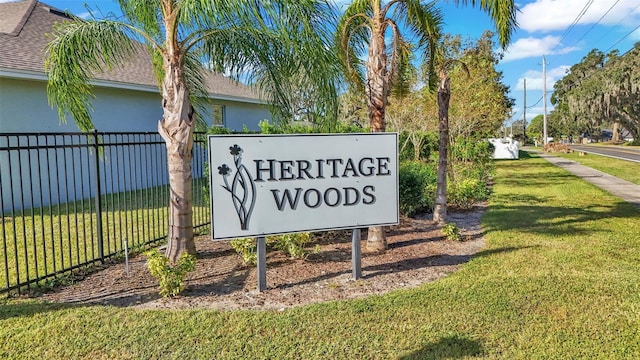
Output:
x=401 y=70
x=198 y=95
x=503 y=14
x=78 y=51
x=144 y=14
x=352 y=36
x=274 y=46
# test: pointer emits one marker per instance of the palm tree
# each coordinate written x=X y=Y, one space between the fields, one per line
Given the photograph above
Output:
x=362 y=30
x=264 y=40
x=444 y=95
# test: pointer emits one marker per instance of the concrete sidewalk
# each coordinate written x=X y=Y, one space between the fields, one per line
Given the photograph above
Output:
x=626 y=190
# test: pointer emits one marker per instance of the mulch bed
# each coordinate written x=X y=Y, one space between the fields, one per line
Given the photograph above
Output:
x=418 y=253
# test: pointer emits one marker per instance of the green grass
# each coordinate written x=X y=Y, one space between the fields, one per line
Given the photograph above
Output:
x=627 y=170
x=49 y=239
x=558 y=279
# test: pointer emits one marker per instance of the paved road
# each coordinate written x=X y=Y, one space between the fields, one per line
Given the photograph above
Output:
x=626 y=190
x=618 y=152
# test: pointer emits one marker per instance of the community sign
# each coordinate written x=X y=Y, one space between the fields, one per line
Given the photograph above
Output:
x=274 y=184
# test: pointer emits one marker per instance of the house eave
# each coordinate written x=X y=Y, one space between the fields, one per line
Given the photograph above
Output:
x=40 y=76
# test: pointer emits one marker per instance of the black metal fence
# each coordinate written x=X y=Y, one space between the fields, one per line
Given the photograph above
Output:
x=68 y=200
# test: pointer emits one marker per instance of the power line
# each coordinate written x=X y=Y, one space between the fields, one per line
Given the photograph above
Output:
x=618 y=23
x=537 y=102
x=574 y=23
x=624 y=37
x=597 y=22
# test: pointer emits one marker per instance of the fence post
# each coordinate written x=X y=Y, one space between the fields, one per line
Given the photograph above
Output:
x=98 y=190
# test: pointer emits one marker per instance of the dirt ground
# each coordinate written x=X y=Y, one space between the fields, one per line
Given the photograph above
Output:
x=418 y=253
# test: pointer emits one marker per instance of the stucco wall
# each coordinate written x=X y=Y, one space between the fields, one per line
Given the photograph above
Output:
x=238 y=115
x=24 y=108
x=32 y=178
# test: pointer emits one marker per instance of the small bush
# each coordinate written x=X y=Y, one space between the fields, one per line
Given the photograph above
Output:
x=247 y=248
x=428 y=145
x=417 y=182
x=451 y=231
x=297 y=128
x=291 y=244
x=171 y=278
x=466 y=192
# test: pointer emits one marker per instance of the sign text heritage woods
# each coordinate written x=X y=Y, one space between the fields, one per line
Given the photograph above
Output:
x=273 y=184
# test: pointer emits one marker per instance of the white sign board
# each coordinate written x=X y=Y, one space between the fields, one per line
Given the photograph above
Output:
x=274 y=184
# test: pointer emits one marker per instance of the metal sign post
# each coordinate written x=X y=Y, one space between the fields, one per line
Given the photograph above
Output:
x=356 y=254
x=262 y=263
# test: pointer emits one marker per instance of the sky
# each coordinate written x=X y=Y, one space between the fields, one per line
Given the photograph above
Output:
x=564 y=31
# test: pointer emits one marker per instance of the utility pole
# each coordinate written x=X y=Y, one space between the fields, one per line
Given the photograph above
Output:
x=544 y=99
x=524 y=115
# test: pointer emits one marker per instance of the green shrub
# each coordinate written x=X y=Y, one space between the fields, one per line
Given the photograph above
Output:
x=466 y=192
x=472 y=159
x=218 y=130
x=297 y=128
x=429 y=146
x=451 y=232
x=417 y=182
x=247 y=248
x=291 y=244
x=171 y=278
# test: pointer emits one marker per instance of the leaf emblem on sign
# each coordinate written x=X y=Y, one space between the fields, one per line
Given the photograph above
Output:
x=242 y=188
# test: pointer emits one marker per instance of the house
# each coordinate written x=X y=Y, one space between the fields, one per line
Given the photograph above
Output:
x=126 y=99
x=38 y=170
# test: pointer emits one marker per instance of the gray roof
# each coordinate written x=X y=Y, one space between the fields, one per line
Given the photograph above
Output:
x=24 y=26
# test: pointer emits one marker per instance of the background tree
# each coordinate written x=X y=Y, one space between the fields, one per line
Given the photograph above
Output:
x=535 y=129
x=483 y=104
x=353 y=108
x=479 y=99
x=273 y=39
x=412 y=116
x=621 y=90
x=600 y=91
x=362 y=33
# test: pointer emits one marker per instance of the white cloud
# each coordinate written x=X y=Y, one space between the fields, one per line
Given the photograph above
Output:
x=534 y=78
x=85 y=15
x=550 y=15
x=534 y=47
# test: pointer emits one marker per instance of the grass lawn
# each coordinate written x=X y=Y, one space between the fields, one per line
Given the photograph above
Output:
x=627 y=170
x=558 y=279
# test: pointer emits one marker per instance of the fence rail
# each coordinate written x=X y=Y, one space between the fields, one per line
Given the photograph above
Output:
x=68 y=200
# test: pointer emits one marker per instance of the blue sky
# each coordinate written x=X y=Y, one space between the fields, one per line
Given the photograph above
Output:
x=562 y=30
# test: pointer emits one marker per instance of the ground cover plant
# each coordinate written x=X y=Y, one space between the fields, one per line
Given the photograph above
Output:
x=170 y=278
x=623 y=169
x=558 y=279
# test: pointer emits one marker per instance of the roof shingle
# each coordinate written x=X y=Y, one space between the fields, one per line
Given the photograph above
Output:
x=24 y=26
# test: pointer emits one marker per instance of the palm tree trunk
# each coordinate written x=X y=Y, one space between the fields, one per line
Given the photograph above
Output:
x=376 y=91
x=444 y=94
x=176 y=129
